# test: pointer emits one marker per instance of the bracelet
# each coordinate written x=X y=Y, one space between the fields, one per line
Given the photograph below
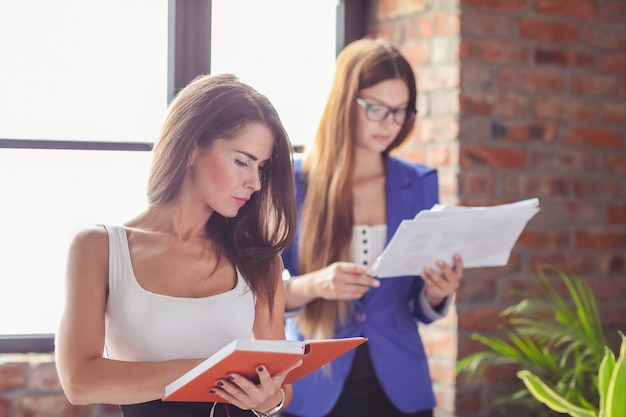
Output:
x=272 y=410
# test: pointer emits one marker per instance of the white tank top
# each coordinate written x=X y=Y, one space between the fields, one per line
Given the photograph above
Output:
x=144 y=326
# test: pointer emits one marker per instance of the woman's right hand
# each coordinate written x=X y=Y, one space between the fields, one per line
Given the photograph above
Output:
x=344 y=281
x=338 y=281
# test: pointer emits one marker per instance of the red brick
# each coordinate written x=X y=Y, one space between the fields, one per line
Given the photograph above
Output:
x=438 y=129
x=602 y=189
x=441 y=77
x=442 y=372
x=442 y=155
x=616 y=213
x=583 y=9
x=493 y=51
x=613 y=62
x=468 y=400
x=412 y=6
x=417 y=53
x=486 y=25
x=499 y=5
x=613 y=263
x=511 y=105
x=447 y=24
x=573 y=263
x=5 y=406
x=613 y=11
x=43 y=377
x=491 y=156
x=601 y=238
x=411 y=153
x=531 y=80
x=442 y=344
x=420 y=27
x=50 y=406
x=535 y=184
x=475 y=183
x=477 y=290
x=562 y=160
x=444 y=397
x=12 y=376
x=548 y=31
x=524 y=130
x=476 y=103
x=564 y=57
x=564 y=108
x=545 y=239
x=607 y=38
x=594 y=137
x=387 y=9
x=478 y=319
x=476 y=76
x=475 y=129
x=616 y=162
x=597 y=85
x=428 y=26
x=613 y=112
x=388 y=31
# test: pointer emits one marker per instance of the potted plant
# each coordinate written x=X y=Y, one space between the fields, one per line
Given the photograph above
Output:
x=611 y=387
x=556 y=336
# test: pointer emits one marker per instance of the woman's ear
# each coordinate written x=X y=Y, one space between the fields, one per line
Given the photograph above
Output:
x=192 y=156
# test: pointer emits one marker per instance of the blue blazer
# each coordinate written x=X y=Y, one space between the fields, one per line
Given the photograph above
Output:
x=387 y=315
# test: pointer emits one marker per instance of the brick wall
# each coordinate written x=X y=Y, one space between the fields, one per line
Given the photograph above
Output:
x=29 y=387
x=520 y=99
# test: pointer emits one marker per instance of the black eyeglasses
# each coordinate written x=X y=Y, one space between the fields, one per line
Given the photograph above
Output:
x=379 y=112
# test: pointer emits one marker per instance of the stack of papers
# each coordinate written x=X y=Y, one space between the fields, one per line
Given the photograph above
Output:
x=484 y=236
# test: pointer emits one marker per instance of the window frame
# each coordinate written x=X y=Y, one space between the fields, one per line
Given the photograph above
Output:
x=189 y=54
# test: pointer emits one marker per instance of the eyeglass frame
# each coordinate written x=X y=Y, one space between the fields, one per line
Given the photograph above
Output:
x=409 y=112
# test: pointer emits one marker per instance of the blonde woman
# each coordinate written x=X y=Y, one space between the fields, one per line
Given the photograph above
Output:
x=351 y=197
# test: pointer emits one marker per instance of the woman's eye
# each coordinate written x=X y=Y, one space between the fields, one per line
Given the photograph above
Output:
x=241 y=163
x=375 y=109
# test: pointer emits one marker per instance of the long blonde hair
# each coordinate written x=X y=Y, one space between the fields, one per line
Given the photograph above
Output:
x=327 y=213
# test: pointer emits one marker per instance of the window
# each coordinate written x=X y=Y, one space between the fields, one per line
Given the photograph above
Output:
x=288 y=54
x=83 y=92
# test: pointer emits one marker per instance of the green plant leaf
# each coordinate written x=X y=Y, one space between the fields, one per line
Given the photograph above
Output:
x=547 y=396
x=615 y=404
x=604 y=375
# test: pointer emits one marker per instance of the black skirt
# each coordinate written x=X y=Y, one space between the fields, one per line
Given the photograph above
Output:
x=160 y=408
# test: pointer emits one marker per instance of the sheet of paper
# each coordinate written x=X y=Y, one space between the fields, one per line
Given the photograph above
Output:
x=484 y=236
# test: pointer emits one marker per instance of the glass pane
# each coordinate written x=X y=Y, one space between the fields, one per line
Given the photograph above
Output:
x=83 y=70
x=283 y=48
x=47 y=196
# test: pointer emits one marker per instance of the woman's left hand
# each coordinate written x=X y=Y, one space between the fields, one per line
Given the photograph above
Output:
x=245 y=394
x=444 y=284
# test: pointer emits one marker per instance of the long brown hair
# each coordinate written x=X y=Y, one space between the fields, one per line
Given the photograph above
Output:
x=327 y=213
x=218 y=106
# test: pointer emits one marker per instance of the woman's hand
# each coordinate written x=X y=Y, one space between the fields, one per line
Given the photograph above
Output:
x=444 y=284
x=344 y=281
x=245 y=394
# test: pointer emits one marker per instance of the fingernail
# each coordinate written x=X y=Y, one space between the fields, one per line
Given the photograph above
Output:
x=219 y=383
x=260 y=369
x=212 y=391
x=230 y=378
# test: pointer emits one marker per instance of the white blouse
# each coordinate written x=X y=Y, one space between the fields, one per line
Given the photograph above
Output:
x=367 y=243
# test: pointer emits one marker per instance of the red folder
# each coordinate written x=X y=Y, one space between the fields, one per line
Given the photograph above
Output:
x=242 y=356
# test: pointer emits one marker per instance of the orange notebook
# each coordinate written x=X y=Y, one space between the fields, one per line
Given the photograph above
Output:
x=242 y=356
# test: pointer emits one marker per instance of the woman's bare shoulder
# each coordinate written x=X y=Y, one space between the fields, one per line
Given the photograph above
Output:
x=90 y=237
